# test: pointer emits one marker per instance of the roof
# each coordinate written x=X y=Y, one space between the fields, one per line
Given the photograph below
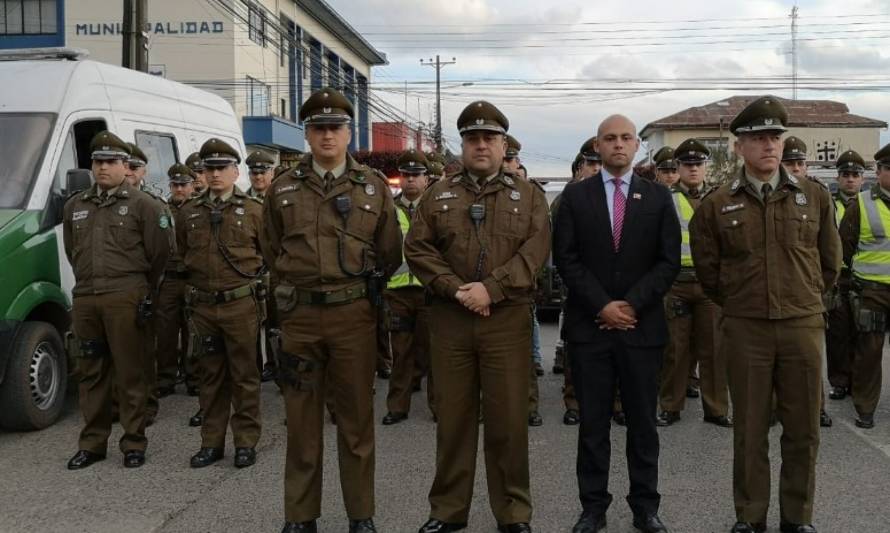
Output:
x=333 y=22
x=801 y=113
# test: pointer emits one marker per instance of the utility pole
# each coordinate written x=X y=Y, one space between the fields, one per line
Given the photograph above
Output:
x=794 y=53
x=438 y=65
x=135 y=36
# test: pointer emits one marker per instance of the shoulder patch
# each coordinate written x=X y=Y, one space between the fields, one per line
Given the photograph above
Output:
x=537 y=184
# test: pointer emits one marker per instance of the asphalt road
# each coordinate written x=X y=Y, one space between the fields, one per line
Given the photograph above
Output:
x=37 y=493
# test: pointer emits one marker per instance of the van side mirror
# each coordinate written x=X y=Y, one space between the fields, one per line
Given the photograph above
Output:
x=78 y=179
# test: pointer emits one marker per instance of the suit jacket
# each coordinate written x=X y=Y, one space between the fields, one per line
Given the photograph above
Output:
x=640 y=272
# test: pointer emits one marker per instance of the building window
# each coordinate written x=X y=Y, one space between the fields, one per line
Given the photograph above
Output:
x=282 y=111
x=257 y=98
x=256 y=24
x=28 y=17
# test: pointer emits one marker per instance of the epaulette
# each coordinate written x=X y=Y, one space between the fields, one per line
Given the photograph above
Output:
x=537 y=184
x=814 y=179
x=257 y=200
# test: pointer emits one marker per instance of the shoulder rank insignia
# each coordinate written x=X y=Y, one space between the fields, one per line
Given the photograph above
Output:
x=370 y=190
x=447 y=195
x=514 y=195
x=800 y=198
x=732 y=207
x=123 y=210
x=508 y=180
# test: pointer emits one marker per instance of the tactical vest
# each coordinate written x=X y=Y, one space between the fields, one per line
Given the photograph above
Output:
x=403 y=276
x=684 y=213
x=839 y=209
x=872 y=259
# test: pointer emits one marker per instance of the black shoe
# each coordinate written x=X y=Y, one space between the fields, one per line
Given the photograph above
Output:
x=539 y=370
x=865 y=421
x=134 y=458
x=787 y=527
x=300 y=527
x=192 y=390
x=619 y=418
x=268 y=373
x=571 y=418
x=590 y=523
x=838 y=393
x=747 y=527
x=244 y=457
x=650 y=524
x=437 y=526
x=535 y=420
x=197 y=419
x=692 y=392
x=394 y=418
x=519 y=527
x=206 y=457
x=825 y=420
x=165 y=391
x=722 y=421
x=83 y=459
x=667 y=418
x=384 y=373
x=362 y=526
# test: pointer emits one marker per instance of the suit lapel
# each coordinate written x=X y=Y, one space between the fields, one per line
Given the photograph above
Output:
x=596 y=195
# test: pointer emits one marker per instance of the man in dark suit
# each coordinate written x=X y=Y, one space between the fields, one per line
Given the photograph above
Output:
x=617 y=247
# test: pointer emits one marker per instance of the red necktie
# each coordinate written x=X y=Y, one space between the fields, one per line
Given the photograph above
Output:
x=619 y=202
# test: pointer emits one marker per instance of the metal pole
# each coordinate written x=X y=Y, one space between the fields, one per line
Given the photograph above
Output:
x=128 y=37
x=794 y=53
x=438 y=105
x=141 y=41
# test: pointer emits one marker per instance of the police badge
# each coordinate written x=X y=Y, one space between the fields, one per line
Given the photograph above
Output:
x=370 y=189
x=123 y=210
x=800 y=198
x=514 y=195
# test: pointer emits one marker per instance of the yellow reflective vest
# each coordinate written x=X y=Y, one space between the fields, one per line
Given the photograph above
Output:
x=684 y=213
x=872 y=259
x=839 y=209
x=403 y=276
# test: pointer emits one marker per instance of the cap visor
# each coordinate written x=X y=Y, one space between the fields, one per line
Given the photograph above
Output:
x=482 y=127
x=107 y=155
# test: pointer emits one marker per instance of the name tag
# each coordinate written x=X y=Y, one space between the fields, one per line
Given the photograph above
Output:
x=447 y=195
x=731 y=208
x=285 y=188
x=79 y=215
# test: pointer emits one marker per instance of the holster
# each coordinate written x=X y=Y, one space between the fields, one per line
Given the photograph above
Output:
x=297 y=372
x=396 y=322
x=285 y=298
x=676 y=308
x=92 y=349
x=871 y=321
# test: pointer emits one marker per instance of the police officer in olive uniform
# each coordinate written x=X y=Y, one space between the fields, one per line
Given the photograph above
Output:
x=794 y=159
x=262 y=167
x=478 y=242
x=406 y=307
x=117 y=240
x=841 y=335
x=867 y=253
x=220 y=245
x=169 y=310
x=765 y=248
x=691 y=316
x=195 y=163
x=332 y=237
x=667 y=170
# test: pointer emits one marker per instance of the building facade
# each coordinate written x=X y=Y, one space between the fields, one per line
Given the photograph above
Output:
x=828 y=128
x=264 y=56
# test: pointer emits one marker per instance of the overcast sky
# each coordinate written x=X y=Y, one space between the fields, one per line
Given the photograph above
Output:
x=646 y=43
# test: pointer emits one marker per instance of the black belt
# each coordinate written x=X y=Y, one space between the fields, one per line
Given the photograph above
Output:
x=687 y=275
x=176 y=274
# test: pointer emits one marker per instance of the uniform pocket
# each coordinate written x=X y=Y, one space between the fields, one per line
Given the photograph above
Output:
x=125 y=232
x=734 y=236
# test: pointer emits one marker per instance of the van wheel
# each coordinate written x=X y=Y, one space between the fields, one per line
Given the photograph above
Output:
x=33 y=390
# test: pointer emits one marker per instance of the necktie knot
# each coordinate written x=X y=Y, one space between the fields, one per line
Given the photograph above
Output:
x=694 y=193
x=766 y=190
x=618 y=182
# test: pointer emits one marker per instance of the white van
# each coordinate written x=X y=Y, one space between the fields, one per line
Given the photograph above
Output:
x=52 y=102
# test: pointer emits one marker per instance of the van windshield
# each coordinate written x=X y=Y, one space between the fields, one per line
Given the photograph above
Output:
x=23 y=141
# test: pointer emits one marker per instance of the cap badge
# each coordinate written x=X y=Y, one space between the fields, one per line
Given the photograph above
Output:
x=480 y=121
x=326 y=110
x=768 y=122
